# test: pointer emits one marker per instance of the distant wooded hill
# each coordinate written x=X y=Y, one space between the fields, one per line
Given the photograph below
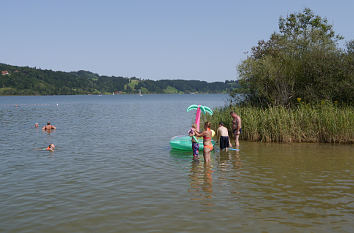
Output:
x=15 y=80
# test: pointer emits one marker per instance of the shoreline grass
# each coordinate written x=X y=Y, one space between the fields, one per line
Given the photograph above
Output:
x=324 y=123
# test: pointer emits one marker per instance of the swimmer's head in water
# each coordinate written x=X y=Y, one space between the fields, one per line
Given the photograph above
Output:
x=36 y=125
x=48 y=123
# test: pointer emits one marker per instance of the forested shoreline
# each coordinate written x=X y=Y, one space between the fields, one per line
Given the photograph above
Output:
x=16 y=80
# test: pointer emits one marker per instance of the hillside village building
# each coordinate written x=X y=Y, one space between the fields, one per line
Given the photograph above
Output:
x=4 y=72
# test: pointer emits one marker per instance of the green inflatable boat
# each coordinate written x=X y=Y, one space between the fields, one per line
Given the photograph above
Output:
x=185 y=143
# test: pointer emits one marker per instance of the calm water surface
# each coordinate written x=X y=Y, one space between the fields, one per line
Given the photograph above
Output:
x=113 y=171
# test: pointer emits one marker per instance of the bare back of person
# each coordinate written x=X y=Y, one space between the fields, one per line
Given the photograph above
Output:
x=223 y=131
x=48 y=127
x=223 y=137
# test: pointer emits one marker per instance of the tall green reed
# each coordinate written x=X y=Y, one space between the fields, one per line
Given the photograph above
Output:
x=324 y=122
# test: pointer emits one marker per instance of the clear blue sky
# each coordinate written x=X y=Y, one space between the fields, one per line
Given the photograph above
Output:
x=155 y=39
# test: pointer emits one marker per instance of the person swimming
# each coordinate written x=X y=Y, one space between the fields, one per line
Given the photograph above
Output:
x=51 y=147
x=48 y=126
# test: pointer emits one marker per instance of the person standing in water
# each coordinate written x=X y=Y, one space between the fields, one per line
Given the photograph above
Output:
x=195 y=144
x=48 y=126
x=208 y=146
x=236 y=128
x=222 y=136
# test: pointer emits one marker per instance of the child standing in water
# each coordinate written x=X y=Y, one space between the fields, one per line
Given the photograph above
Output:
x=195 y=145
x=223 y=136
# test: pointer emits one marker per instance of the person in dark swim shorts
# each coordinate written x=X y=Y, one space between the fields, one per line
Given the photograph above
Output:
x=235 y=132
x=223 y=136
x=236 y=128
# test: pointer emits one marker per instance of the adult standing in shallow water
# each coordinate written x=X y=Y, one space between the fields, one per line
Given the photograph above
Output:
x=208 y=146
x=236 y=127
x=48 y=126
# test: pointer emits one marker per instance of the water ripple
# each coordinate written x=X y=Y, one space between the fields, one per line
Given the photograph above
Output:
x=113 y=171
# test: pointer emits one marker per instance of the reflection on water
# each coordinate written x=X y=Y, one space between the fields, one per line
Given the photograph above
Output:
x=113 y=171
x=201 y=181
x=226 y=158
x=300 y=186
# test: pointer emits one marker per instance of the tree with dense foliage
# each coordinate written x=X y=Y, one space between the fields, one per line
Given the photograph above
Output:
x=301 y=62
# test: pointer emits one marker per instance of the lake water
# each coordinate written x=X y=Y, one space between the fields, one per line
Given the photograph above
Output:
x=113 y=171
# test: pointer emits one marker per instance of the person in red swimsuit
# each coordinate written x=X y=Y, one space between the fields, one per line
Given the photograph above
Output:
x=208 y=146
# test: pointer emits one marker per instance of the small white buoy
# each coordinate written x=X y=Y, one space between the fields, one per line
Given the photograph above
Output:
x=57 y=104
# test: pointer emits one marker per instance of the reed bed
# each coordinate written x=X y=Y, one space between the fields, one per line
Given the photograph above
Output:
x=323 y=122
